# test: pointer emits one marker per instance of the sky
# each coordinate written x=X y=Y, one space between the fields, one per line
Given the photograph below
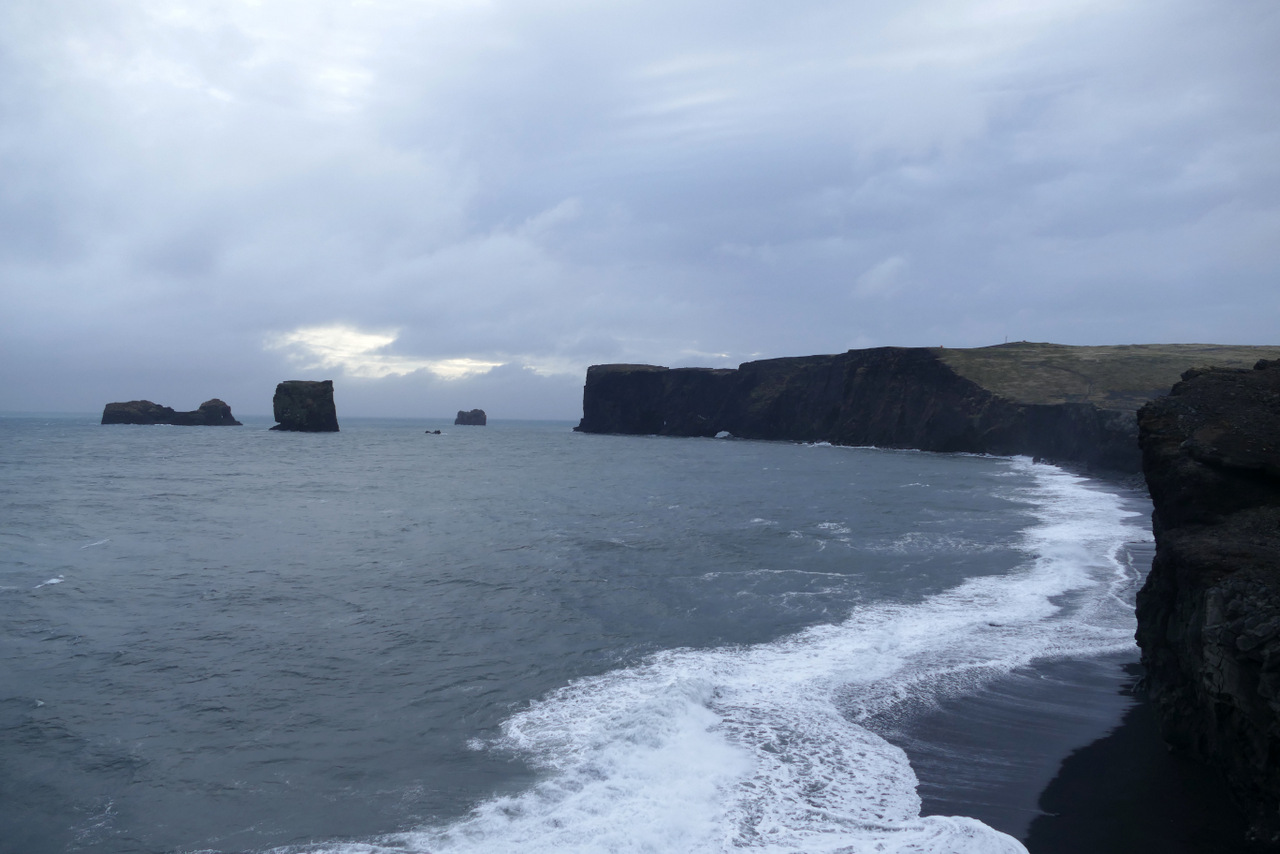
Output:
x=450 y=204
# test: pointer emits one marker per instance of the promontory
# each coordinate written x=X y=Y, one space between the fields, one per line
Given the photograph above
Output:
x=1062 y=403
x=1209 y=613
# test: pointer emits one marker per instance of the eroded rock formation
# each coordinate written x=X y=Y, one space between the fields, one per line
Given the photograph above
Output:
x=212 y=413
x=472 y=418
x=1209 y=613
x=305 y=406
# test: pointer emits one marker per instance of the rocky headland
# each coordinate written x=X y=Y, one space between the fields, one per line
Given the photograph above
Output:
x=212 y=413
x=471 y=418
x=305 y=406
x=1074 y=405
x=1209 y=613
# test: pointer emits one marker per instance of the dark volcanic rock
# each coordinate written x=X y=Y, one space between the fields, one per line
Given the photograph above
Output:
x=212 y=413
x=1209 y=613
x=305 y=406
x=474 y=418
x=892 y=397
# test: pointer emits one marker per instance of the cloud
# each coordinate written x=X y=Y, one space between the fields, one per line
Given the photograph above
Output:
x=546 y=185
x=883 y=280
x=355 y=353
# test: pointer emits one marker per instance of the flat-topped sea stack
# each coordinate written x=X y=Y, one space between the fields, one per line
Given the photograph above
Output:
x=1067 y=404
x=1209 y=613
x=305 y=406
x=212 y=413
x=472 y=418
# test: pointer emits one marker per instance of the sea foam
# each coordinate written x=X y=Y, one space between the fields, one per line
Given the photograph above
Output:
x=764 y=748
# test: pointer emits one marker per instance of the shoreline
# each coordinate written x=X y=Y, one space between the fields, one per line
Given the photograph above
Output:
x=990 y=754
x=1128 y=792
x=1024 y=757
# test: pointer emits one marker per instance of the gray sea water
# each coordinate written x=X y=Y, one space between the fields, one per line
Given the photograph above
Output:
x=519 y=638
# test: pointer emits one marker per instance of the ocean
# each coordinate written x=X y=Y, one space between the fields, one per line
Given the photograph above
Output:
x=521 y=638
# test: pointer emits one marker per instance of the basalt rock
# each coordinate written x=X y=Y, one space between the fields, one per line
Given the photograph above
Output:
x=1209 y=613
x=1059 y=403
x=305 y=406
x=212 y=413
x=473 y=418
x=891 y=397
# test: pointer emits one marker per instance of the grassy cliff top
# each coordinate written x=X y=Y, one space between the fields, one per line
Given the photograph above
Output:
x=1114 y=377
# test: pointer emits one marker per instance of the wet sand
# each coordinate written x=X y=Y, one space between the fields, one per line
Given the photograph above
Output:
x=1128 y=793
x=1065 y=757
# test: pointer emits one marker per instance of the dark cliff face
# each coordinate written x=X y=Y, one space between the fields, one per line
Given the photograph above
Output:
x=890 y=397
x=212 y=413
x=1209 y=613
x=305 y=406
x=471 y=418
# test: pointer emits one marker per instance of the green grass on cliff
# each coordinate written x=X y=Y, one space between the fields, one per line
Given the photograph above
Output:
x=1116 y=377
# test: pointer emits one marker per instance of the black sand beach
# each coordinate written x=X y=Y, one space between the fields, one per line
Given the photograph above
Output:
x=1128 y=793
x=1119 y=794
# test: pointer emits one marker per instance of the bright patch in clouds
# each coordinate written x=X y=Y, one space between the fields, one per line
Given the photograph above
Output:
x=355 y=353
x=546 y=185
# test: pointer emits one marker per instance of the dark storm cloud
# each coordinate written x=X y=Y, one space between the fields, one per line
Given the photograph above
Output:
x=205 y=198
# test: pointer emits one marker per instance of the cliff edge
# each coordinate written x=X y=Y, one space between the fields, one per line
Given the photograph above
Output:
x=1209 y=613
x=1067 y=404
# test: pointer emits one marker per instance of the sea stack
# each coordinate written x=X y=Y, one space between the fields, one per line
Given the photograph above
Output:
x=1209 y=613
x=212 y=413
x=474 y=418
x=305 y=406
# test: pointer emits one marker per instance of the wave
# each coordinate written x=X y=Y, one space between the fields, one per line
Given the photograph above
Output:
x=763 y=748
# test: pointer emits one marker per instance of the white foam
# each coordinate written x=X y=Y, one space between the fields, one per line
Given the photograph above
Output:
x=927 y=542
x=759 y=748
x=55 y=580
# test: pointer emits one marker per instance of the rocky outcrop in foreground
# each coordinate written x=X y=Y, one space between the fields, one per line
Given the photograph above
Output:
x=212 y=413
x=305 y=406
x=1209 y=613
x=473 y=418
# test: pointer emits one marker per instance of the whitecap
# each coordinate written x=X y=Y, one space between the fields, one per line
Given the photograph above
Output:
x=763 y=748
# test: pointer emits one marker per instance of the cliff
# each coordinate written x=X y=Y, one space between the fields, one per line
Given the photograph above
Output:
x=305 y=406
x=471 y=418
x=212 y=413
x=1068 y=404
x=1209 y=613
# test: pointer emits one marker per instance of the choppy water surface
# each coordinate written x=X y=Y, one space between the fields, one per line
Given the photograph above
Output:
x=516 y=637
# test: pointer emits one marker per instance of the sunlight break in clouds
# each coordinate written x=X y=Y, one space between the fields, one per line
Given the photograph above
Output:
x=354 y=352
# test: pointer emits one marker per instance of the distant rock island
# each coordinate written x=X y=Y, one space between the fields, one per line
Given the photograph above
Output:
x=1057 y=402
x=212 y=413
x=305 y=406
x=473 y=418
x=1209 y=613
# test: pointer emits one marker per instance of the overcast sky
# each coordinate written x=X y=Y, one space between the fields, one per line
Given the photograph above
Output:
x=447 y=204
